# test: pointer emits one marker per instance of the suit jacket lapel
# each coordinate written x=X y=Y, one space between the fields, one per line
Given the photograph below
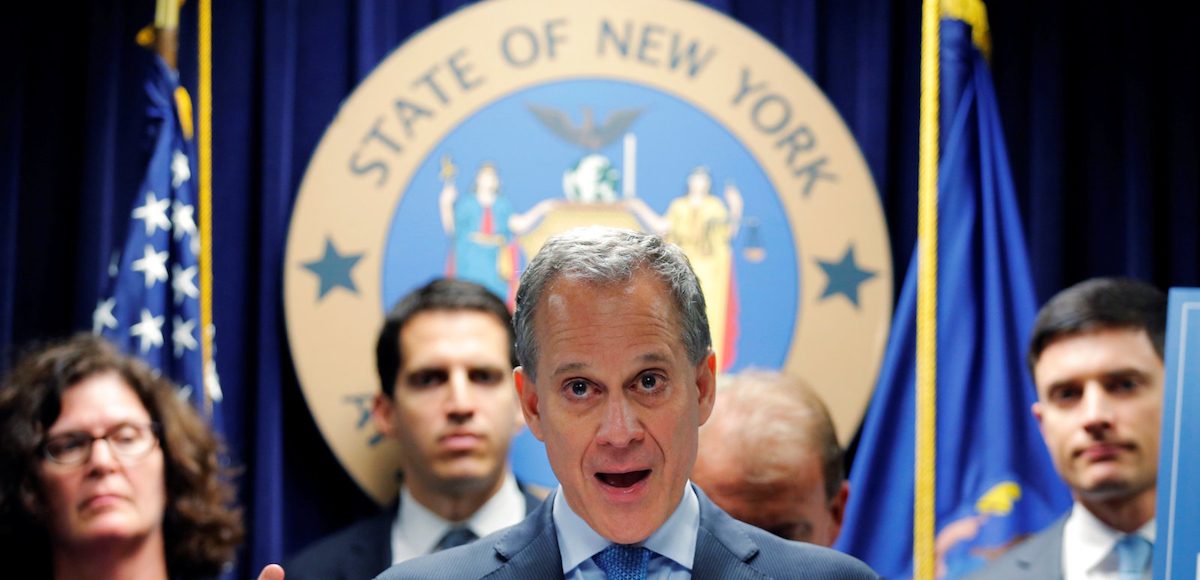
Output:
x=722 y=551
x=1044 y=559
x=530 y=548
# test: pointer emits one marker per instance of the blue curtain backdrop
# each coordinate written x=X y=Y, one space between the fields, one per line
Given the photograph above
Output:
x=1098 y=108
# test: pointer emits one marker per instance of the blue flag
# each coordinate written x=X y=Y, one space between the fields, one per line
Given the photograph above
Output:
x=152 y=307
x=995 y=482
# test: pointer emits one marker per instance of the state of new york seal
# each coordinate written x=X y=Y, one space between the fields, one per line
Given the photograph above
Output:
x=510 y=121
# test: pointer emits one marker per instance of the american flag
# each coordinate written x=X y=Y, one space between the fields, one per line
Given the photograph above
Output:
x=152 y=305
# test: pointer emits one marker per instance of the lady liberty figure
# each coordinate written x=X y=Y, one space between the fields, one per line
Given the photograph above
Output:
x=483 y=228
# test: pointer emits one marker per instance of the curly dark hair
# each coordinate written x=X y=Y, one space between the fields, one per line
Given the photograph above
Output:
x=202 y=528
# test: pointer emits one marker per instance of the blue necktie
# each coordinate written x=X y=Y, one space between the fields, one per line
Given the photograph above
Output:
x=621 y=562
x=1133 y=557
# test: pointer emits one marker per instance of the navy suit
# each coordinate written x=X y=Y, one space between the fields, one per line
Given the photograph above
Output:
x=1037 y=557
x=725 y=549
x=360 y=551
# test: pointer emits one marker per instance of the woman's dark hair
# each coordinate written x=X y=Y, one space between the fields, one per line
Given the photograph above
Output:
x=201 y=526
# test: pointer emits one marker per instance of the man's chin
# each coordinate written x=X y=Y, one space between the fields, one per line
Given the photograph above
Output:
x=625 y=522
x=460 y=479
x=1108 y=489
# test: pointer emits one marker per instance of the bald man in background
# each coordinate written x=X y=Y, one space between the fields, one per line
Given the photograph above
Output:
x=769 y=456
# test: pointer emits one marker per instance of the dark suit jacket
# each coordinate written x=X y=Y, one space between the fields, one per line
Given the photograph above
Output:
x=725 y=549
x=360 y=551
x=1037 y=557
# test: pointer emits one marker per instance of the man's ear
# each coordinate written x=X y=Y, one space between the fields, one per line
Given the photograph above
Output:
x=706 y=385
x=528 y=397
x=837 y=505
x=383 y=414
x=1037 y=411
x=837 y=511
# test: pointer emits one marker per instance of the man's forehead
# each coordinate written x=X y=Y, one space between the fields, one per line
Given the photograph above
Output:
x=565 y=287
x=457 y=324
x=1096 y=353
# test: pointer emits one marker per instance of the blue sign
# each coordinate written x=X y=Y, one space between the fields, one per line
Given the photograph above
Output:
x=1177 y=545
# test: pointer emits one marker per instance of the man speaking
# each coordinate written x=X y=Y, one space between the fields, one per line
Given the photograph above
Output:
x=616 y=377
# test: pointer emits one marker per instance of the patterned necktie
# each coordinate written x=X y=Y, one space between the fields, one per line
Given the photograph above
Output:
x=454 y=538
x=621 y=562
x=1133 y=557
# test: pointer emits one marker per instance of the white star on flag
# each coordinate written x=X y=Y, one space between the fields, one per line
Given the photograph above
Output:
x=182 y=336
x=102 y=317
x=183 y=216
x=183 y=281
x=153 y=213
x=180 y=170
x=149 y=330
x=153 y=265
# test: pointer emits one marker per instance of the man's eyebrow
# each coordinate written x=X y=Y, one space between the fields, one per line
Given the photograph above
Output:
x=1121 y=373
x=569 y=368
x=1126 y=373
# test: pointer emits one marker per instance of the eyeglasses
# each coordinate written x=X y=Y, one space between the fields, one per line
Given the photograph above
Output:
x=126 y=440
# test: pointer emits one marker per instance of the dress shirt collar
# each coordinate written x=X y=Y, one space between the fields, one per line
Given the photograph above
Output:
x=675 y=539
x=1088 y=544
x=416 y=529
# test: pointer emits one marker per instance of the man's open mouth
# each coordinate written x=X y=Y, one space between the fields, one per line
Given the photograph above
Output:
x=623 y=479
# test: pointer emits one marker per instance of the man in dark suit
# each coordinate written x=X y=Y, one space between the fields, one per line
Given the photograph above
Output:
x=792 y=483
x=1097 y=360
x=445 y=358
x=616 y=377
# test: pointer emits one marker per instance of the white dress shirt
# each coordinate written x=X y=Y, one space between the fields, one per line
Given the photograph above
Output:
x=416 y=530
x=672 y=545
x=1087 y=551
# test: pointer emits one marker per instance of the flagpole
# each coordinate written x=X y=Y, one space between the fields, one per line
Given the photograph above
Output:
x=205 y=195
x=166 y=31
x=924 y=556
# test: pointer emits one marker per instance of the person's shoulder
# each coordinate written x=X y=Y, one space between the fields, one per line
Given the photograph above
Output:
x=362 y=548
x=528 y=549
x=780 y=558
x=1038 y=555
x=725 y=542
x=474 y=560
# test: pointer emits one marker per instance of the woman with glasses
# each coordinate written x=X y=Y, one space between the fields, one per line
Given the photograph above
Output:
x=106 y=473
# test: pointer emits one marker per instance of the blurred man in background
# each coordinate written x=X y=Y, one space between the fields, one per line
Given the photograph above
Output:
x=769 y=456
x=1097 y=359
x=445 y=359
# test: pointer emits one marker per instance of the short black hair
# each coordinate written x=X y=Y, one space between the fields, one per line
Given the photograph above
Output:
x=1100 y=303
x=441 y=295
